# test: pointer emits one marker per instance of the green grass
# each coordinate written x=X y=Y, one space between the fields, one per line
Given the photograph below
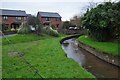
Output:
x=46 y=55
x=0 y=58
x=108 y=47
x=24 y=38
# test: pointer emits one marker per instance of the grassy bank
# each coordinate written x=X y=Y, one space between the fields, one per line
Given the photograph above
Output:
x=24 y=38
x=108 y=47
x=46 y=55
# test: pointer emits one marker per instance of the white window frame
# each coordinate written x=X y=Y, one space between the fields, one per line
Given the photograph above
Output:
x=5 y=17
x=47 y=19
x=19 y=18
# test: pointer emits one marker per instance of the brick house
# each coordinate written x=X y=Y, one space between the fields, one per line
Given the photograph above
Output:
x=12 y=18
x=51 y=19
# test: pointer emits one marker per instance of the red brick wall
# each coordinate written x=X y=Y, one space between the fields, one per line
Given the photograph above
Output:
x=52 y=21
x=11 y=20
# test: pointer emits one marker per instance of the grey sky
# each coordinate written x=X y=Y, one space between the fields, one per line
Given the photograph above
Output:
x=65 y=9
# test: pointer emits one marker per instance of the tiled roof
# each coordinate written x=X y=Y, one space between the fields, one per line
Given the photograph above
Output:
x=29 y=15
x=49 y=14
x=6 y=12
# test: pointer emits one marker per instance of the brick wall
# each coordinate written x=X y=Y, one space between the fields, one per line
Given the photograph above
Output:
x=53 y=22
x=12 y=19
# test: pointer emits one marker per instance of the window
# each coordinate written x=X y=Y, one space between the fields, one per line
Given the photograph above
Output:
x=47 y=19
x=18 y=18
x=5 y=17
x=24 y=18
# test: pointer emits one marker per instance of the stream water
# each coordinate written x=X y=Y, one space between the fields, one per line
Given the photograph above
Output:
x=98 y=67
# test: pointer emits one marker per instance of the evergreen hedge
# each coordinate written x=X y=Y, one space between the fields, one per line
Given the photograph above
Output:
x=103 y=21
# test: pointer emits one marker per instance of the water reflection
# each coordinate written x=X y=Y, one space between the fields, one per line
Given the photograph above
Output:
x=96 y=66
x=73 y=52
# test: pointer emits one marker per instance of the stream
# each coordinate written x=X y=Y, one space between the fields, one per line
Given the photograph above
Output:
x=94 y=65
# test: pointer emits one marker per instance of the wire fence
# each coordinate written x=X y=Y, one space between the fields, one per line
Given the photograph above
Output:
x=20 y=55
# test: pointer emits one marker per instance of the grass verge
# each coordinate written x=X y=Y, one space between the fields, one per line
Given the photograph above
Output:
x=47 y=56
x=107 y=47
x=24 y=38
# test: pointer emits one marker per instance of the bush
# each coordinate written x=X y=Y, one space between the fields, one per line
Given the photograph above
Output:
x=48 y=30
x=24 y=29
x=3 y=27
x=35 y=22
x=54 y=33
x=103 y=21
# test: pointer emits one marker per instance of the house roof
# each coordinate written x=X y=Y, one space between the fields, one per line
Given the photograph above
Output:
x=49 y=14
x=6 y=12
x=29 y=15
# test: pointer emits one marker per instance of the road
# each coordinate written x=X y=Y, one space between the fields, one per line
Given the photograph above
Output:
x=7 y=35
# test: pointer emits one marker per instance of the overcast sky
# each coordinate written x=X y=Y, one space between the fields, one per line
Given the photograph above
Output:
x=66 y=8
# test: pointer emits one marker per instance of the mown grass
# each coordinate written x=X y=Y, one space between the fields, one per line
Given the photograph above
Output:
x=107 y=47
x=46 y=55
x=24 y=38
x=0 y=58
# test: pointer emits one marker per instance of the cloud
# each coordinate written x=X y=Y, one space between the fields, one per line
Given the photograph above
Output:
x=54 y=0
x=65 y=9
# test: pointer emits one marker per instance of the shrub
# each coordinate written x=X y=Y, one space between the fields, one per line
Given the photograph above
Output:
x=103 y=21
x=35 y=22
x=3 y=27
x=48 y=30
x=54 y=33
x=24 y=29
